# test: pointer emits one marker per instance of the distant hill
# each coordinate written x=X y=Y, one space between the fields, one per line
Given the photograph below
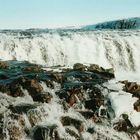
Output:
x=131 y=23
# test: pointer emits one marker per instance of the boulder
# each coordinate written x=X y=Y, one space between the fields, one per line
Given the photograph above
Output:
x=46 y=133
x=93 y=104
x=72 y=100
x=95 y=68
x=137 y=105
x=132 y=87
x=12 y=89
x=105 y=73
x=22 y=108
x=43 y=97
x=79 y=67
x=87 y=114
x=15 y=133
x=68 y=121
x=121 y=126
x=128 y=122
x=33 y=87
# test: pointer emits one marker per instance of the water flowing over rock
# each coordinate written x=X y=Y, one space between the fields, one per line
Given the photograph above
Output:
x=37 y=103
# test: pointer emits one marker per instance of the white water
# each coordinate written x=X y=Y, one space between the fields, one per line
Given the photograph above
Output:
x=50 y=114
x=117 y=49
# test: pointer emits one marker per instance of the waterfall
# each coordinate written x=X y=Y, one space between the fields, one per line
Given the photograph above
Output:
x=108 y=48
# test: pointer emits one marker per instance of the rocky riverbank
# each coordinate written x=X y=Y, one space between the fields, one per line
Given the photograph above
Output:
x=58 y=103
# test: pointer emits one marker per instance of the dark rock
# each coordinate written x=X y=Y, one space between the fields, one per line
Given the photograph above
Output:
x=68 y=121
x=105 y=73
x=34 y=68
x=124 y=124
x=132 y=87
x=33 y=87
x=121 y=126
x=12 y=89
x=72 y=99
x=95 y=68
x=91 y=130
x=126 y=118
x=137 y=105
x=93 y=104
x=15 y=90
x=46 y=133
x=50 y=84
x=22 y=108
x=87 y=114
x=44 y=98
x=95 y=93
x=79 y=67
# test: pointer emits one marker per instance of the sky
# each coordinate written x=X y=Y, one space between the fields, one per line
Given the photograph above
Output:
x=18 y=14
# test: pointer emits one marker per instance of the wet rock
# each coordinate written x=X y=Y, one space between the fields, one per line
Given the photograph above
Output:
x=50 y=84
x=33 y=87
x=19 y=119
x=95 y=68
x=44 y=98
x=22 y=108
x=121 y=126
x=58 y=77
x=105 y=73
x=132 y=87
x=87 y=114
x=103 y=112
x=36 y=116
x=35 y=68
x=4 y=65
x=46 y=133
x=91 y=130
x=15 y=90
x=68 y=121
x=12 y=126
x=93 y=104
x=15 y=133
x=72 y=100
x=12 y=89
x=134 y=130
x=79 y=67
x=137 y=105
x=95 y=93
x=126 y=118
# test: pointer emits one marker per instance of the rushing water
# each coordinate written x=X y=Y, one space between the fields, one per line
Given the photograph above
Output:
x=117 y=49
